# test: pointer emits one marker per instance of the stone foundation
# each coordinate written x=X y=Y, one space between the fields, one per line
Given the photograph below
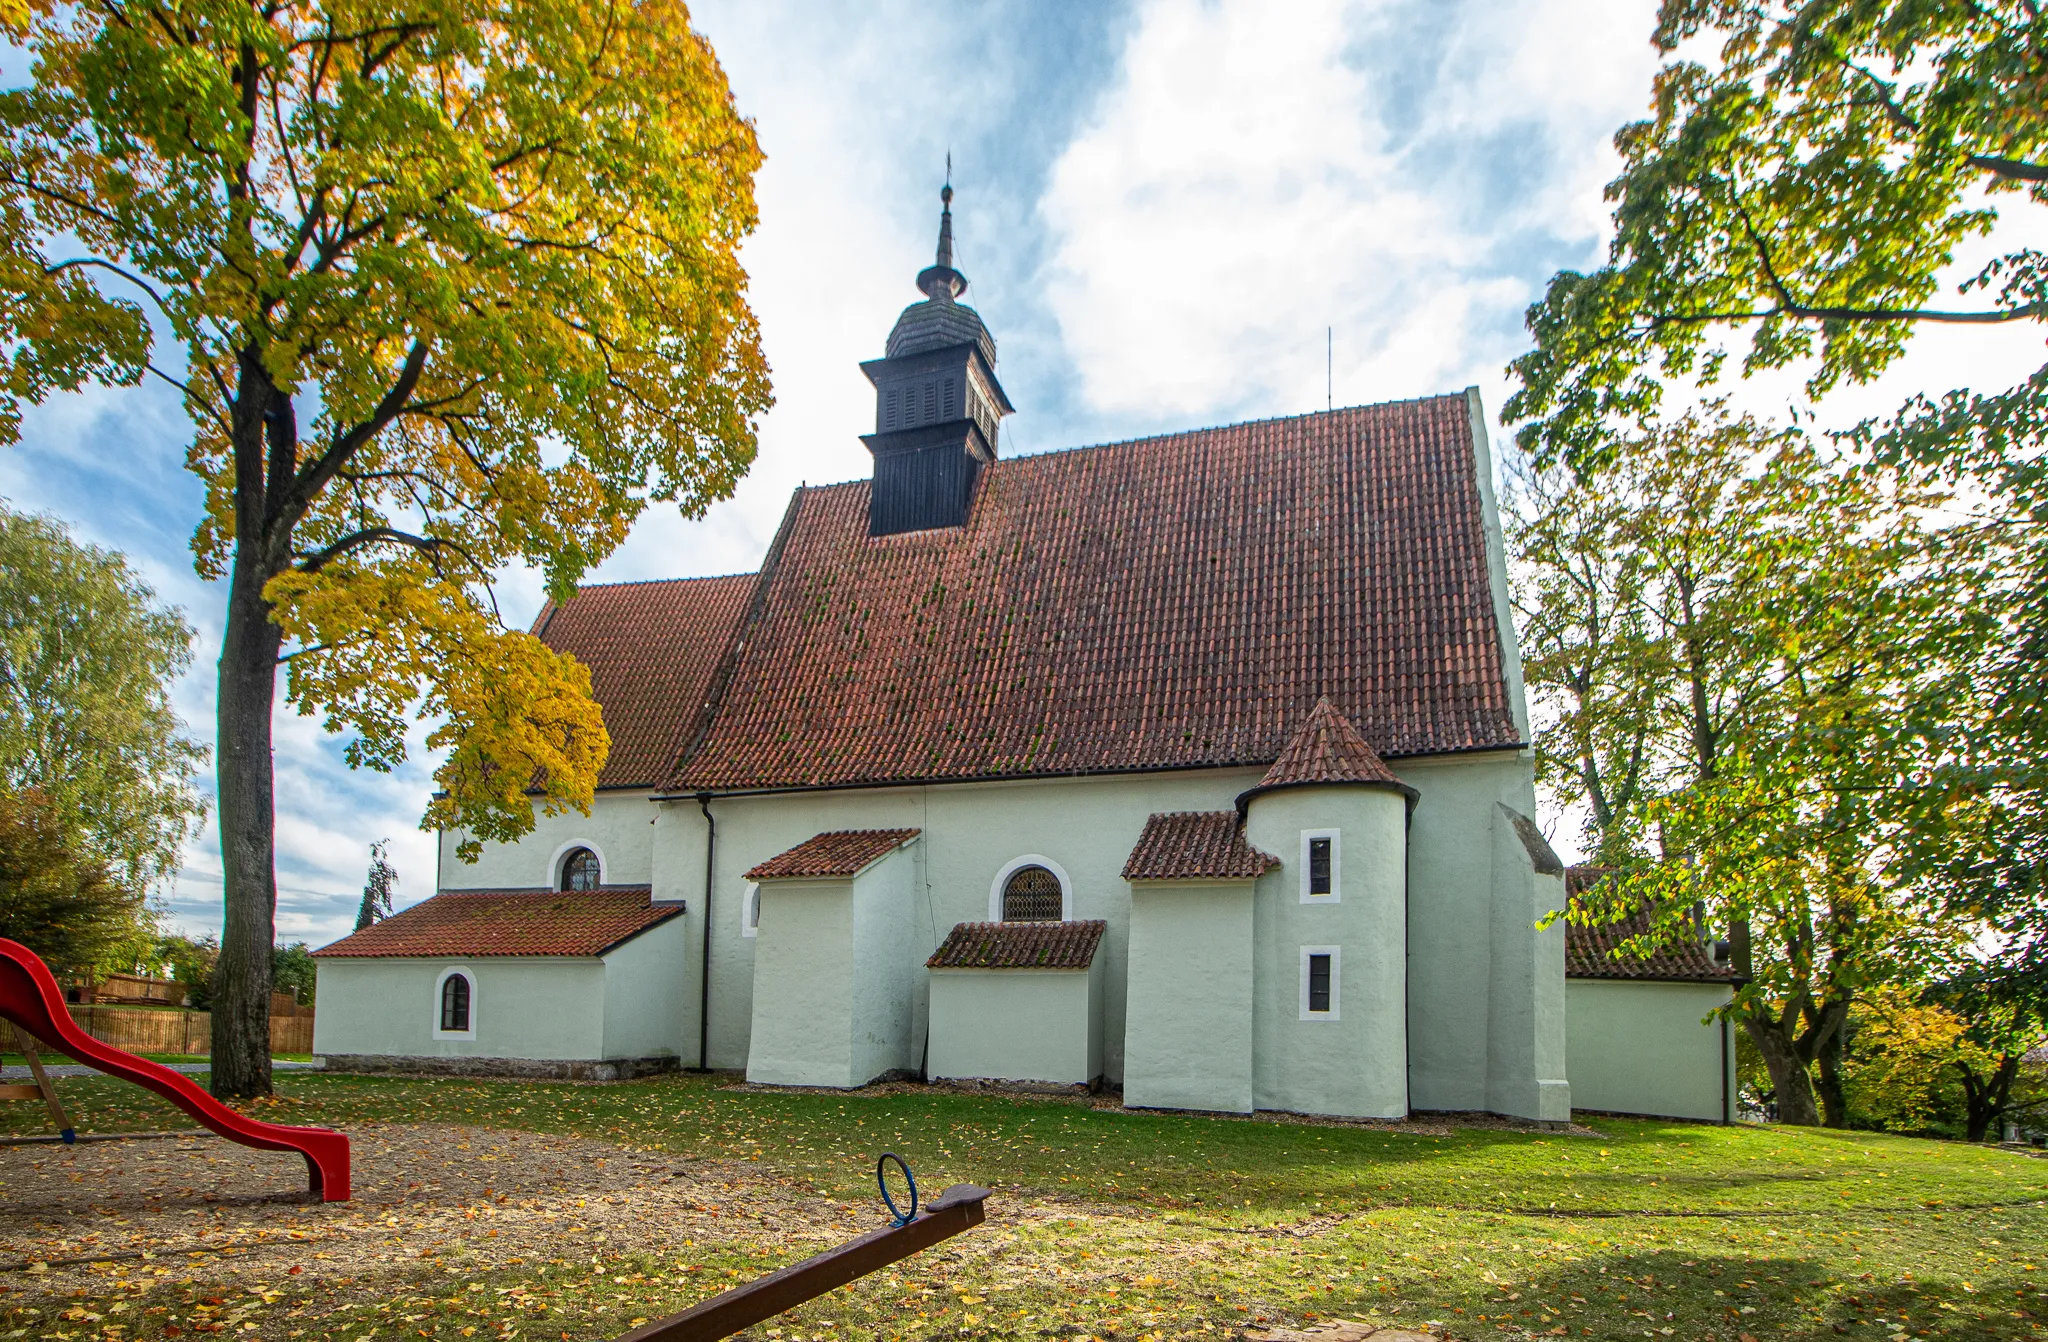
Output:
x=533 y=1069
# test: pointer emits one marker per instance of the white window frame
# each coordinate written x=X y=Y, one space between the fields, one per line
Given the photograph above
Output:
x=554 y=880
x=750 y=910
x=995 y=888
x=1336 y=954
x=441 y=983
x=1336 y=838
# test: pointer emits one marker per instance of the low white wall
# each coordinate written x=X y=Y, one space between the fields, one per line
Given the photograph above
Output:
x=1014 y=1025
x=1188 y=1020
x=525 y=1007
x=1640 y=1048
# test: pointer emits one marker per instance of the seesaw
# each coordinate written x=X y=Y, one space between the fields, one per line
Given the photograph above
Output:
x=31 y=999
x=910 y=1231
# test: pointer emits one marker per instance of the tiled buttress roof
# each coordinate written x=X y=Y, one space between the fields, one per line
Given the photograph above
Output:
x=1172 y=602
x=1588 y=950
x=1019 y=946
x=841 y=852
x=1196 y=845
x=511 y=922
x=651 y=648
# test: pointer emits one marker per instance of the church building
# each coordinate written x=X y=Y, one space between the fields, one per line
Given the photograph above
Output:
x=1195 y=766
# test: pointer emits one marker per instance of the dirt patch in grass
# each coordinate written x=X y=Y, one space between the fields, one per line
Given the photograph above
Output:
x=421 y=1192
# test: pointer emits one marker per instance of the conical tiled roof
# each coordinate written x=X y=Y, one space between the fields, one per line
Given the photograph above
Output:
x=1327 y=751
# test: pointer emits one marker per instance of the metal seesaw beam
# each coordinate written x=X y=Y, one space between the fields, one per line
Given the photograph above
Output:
x=956 y=1209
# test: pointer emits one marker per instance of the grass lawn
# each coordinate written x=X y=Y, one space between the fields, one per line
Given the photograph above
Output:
x=1128 y=1225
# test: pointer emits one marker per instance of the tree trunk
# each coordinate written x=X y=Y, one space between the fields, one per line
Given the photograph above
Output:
x=1790 y=1078
x=1834 y=1097
x=1987 y=1098
x=241 y=978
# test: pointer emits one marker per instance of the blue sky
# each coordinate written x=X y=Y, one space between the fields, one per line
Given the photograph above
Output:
x=1163 y=206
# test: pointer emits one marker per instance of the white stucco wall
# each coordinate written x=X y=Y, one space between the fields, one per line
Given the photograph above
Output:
x=971 y=831
x=831 y=985
x=887 y=967
x=1357 y=1063
x=1648 y=1048
x=1474 y=955
x=1188 y=1031
x=1526 y=1008
x=619 y=828
x=803 y=985
x=523 y=1007
x=1016 y=1025
x=644 y=1007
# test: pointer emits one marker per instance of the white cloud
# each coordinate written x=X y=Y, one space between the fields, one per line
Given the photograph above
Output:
x=1407 y=174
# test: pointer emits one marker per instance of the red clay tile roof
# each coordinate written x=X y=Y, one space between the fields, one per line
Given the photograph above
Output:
x=1173 y=602
x=1196 y=845
x=1587 y=949
x=1019 y=946
x=651 y=648
x=841 y=852
x=1327 y=750
x=511 y=922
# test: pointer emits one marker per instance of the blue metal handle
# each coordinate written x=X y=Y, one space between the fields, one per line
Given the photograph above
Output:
x=903 y=1218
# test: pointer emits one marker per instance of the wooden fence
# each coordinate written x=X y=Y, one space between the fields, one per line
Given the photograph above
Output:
x=153 y=1030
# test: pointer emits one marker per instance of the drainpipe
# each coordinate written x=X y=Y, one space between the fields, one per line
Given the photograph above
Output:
x=704 y=971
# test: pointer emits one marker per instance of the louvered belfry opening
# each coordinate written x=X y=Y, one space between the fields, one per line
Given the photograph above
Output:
x=938 y=406
x=1032 y=895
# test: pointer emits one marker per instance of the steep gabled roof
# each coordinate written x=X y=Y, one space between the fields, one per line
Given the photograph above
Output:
x=651 y=648
x=843 y=852
x=1174 y=602
x=1327 y=751
x=1019 y=946
x=511 y=922
x=1195 y=846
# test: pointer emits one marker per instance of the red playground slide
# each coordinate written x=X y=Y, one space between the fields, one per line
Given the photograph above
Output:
x=29 y=997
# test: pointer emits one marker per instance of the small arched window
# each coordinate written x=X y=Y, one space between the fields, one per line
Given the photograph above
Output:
x=455 y=1003
x=580 y=870
x=1031 y=895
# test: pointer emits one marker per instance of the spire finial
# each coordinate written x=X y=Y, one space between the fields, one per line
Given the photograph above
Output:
x=941 y=282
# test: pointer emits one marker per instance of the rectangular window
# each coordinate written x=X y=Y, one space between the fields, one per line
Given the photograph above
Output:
x=1322 y=866
x=1321 y=981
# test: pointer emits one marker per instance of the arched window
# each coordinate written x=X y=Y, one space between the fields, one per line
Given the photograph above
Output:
x=580 y=870
x=1031 y=895
x=455 y=1003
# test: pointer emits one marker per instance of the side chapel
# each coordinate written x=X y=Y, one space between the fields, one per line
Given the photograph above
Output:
x=1196 y=766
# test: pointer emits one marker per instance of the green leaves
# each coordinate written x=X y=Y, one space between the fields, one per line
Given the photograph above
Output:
x=87 y=656
x=457 y=288
x=1796 y=199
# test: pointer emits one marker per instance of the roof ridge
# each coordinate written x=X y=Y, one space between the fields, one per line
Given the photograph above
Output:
x=656 y=582
x=1170 y=434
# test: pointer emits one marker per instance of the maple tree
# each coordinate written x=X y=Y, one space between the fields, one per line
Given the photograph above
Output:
x=456 y=287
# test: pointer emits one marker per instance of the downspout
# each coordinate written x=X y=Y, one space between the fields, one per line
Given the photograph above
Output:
x=704 y=970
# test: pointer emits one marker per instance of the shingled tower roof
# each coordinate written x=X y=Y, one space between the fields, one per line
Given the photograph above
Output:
x=1327 y=751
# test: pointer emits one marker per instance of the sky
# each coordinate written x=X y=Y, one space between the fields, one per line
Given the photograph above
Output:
x=1171 y=214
